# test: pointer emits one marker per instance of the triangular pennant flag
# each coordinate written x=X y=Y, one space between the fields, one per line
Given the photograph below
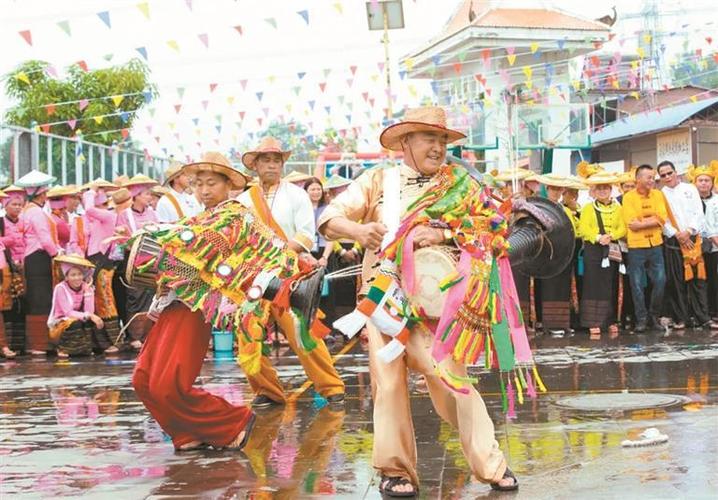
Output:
x=241 y=115
x=65 y=26
x=365 y=95
x=142 y=51
x=350 y=82
x=82 y=104
x=125 y=132
x=173 y=45
x=259 y=120
x=230 y=100
x=72 y=123
x=180 y=92
x=204 y=38
x=212 y=87
x=83 y=66
x=145 y=9
x=189 y=4
x=147 y=96
x=353 y=69
x=457 y=67
x=265 y=111
x=98 y=119
x=178 y=107
x=22 y=76
x=152 y=112
x=402 y=74
x=108 y=57
x=381 y=67
x=338 y=7
x=45 y=127
x=349 y=118
x=259 y=96
x=297 y=90
x=50 y=108
x=311 y=104
x=271 y=21
x=105 y=18
x=271 y=79
x=205 y=104
x=117 y=99
x=124 y=116
x=328 y=109
x=195 y=121
x=301 y=74
x=243 y=83
x=510 y=55
x=239 y=30
x=326 y=72
x=218 y=128
x=322 y=86
x=27 y=36
x=305 y=15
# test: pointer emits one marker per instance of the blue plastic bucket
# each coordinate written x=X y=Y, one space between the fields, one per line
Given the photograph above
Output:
x=223 y=341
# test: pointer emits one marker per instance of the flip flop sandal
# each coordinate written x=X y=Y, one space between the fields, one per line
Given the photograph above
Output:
x=513 y=487
x=392 y=482
x=245 y=439
x=199 y=446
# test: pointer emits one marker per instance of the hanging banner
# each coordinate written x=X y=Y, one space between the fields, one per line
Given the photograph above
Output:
x=676 y=147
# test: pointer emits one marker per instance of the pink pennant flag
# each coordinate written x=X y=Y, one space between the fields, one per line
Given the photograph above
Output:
x=381 y=66
x=204 y=104
x=212 y=87
x=353 y=69
x=204 y=38
x=189 y=4
x=243 y=83
x=241 y=115
x=83 y=104
x=365 y=95
x=322 y=86
x=178 y=107
x=239 y=30
x=485 y=56
x=27 y=36
x=350 y=82
x=71 y=124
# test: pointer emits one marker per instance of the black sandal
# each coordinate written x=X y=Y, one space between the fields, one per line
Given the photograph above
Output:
x=513 y=487
x=392 y=482
x=247 y=432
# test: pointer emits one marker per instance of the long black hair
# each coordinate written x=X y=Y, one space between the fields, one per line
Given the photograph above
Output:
x=315 y=180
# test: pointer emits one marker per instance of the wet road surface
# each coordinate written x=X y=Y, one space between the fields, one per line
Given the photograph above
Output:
x=75 y=428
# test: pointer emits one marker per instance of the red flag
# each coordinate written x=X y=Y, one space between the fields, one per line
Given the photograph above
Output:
x=50 y=108
x=239 y=29
x=212 y=86
x=322 y=86
x=125 y=133
x=45 y=127
x=178 y=107
x=27 y=36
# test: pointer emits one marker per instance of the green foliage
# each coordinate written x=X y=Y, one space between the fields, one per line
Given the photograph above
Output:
x=97 y=86
x=689 y=71
x=307 y=147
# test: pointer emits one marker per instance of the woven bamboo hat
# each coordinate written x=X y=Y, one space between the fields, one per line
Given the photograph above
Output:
x=139 y=183
x=425 y=119
x=213 y=161
x=74 y=260
x=554 y=180
x=295 y=176
x=100 y=183
x=513 y=173
x=266 y=145
x=172 y=172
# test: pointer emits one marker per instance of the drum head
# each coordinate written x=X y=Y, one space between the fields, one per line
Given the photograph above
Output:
x=431 y=266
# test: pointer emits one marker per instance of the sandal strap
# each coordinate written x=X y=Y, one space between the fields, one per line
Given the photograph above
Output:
x=390 y=482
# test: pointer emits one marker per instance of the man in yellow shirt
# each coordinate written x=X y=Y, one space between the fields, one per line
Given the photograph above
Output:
x=645 y=213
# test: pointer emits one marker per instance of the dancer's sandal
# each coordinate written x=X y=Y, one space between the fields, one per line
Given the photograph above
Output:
x=511 y=487
x=243 y=437
x=389 y=483
x=192 y=446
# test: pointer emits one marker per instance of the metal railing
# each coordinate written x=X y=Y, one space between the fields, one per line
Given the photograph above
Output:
x=71 y=160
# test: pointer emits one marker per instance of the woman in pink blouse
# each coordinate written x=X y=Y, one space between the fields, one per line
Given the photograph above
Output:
x=72 y=317
x=13 y=241
x=130 y=221
x=57 y=199
x=41 y=245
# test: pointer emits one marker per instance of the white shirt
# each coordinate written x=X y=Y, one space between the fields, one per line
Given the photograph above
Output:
x=710 y=229
x=292 y=210
x=166 y=212
x=687 y=207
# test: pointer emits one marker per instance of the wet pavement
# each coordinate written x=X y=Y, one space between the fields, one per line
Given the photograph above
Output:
x=76 y=429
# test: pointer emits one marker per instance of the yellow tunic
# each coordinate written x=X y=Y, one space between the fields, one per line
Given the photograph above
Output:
x=612 y=217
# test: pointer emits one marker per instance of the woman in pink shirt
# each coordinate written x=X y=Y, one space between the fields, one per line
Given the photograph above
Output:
x=72 y=317
x=12 y=239
x=57 y=199
x=41 y=245
x=6 y=298
x=130 y=221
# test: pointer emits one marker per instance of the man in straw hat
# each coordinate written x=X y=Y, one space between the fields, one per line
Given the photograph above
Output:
x=287 y=209
x=369 y=211
x=41 y=245
x=178 y=201
x=174 y=351
x=704 y=178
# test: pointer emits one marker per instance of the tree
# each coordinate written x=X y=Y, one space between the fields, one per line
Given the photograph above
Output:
x=698 y=72
x=114 y=96
x=306 y=147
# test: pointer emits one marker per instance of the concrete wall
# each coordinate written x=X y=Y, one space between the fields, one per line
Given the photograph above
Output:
x=707 y=144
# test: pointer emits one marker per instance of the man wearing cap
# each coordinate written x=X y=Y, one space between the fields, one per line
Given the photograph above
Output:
x=365 y=213
x=41 y=245
x=174 y=351
x=287 y=209
x=177 y=202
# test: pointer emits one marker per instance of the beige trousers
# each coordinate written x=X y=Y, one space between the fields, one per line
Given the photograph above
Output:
x=394 y=451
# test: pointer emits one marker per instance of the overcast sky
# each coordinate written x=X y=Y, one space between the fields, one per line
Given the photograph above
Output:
x=263 y=58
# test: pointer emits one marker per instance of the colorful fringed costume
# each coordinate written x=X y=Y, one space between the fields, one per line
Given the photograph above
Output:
x=212 y=261
x=481 y=317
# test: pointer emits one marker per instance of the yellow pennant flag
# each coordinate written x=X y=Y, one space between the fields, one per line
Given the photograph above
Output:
x=576 y=84
x=117 y=99
x=528 y=72
x=145 y=9
x=694 y=98
x=409 y=64
x=534 y=47
x=647 y=38
x=289 y=108
x=641 y=53
x=634 y=65
x=230 y=100
x=98 y=119
x=23 y=77
x=338 y=7
x=529 y=84
x=375 y=77
x=173 y=45
x=271 y=78
x=412 y=90
x=511 y=58
x=635 y=95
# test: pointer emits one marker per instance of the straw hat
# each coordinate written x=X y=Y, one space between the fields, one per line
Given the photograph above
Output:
x=576 y=183
x=266 y=145
x=172 y=172
x=62 y=191
x=513 y=173
x=295 y=176
x=74 y=260
x=13 y=189
x=554 y=180
x=602 y=178
x=158 y=191
x=629 y=176
x=425 y=119
x=139 y=183
x=120 y=199
x=100 y=183
x=336 y=181
x=121 y=180
x=213 y=161
x=711 y=170
x=3 y=195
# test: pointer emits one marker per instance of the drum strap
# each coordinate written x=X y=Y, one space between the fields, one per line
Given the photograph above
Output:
x=175 y=203
x=391 y=209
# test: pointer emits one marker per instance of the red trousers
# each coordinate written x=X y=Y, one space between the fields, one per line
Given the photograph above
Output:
x=168 y=365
